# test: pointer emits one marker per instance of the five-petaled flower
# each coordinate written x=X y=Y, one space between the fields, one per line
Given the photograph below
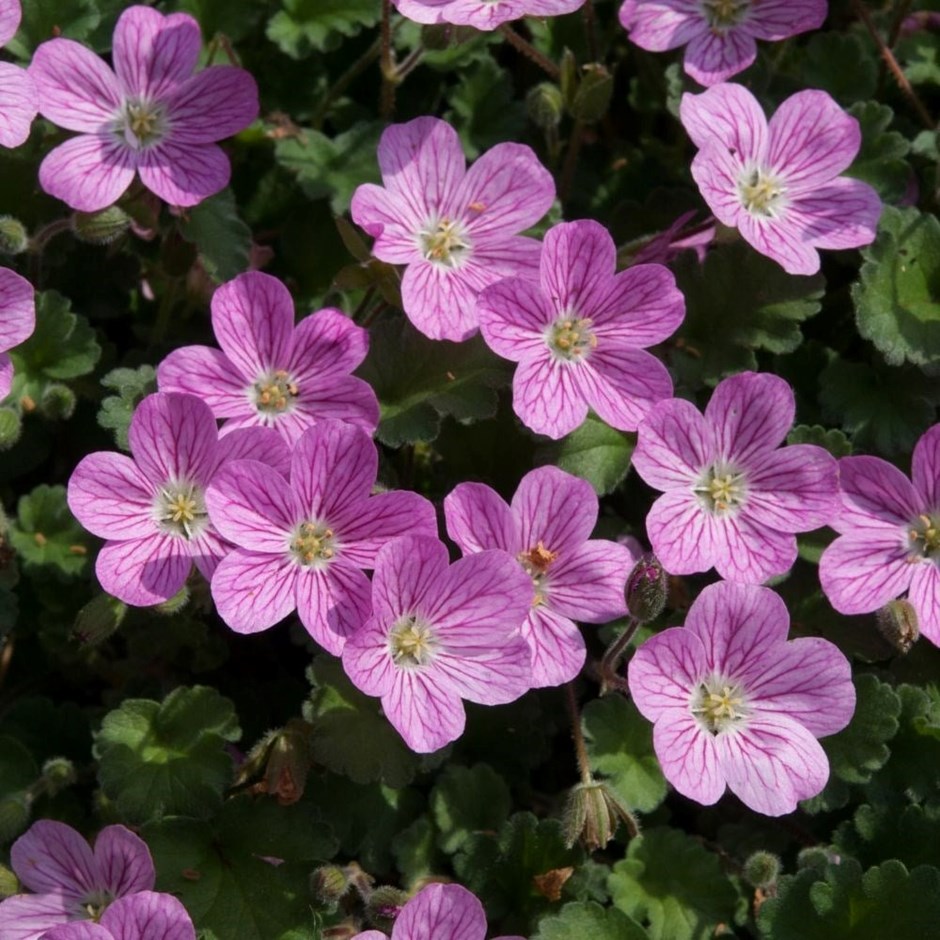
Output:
x=889 y=536
x=151 y=115
x=70 y=881
x=303 y=544
x=455 y=229
x=270 y=372
x=778 y=182
x=152 y=508
x=735 y=704
x=733 y=498
x=579 y=333
x=482 y=14
x=18 y=98
x=439 y=634
x=17 y=320
x=573 y=577
x=720 y=35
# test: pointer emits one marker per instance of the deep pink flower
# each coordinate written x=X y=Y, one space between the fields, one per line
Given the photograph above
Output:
x=303 y=544
x=735 y=704
x=579 y=333
x=483 y=14
x=70 y=881
x=778 y=183
x=732 y=496
x=889 y=538
x=152 y=508
x=17 y=320
x=18 y=99
x=439 y=634
x=438 y=912
x=270 y=372
x=147 y=915
x=547 y=530
x=150 y=115
x=456 y=229
x=720 y=34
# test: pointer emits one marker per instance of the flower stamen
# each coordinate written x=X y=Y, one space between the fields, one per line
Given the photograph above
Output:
x=721 y=489
x=181 y=509
x=535 y=562
x=411 y=642
x=719 y=704
x=723 y=14
x=571 y=338
x=312 y=544
x=924 y=538
x=142 y=123
x=444 y=242
x=761 y=193
x=274 y=393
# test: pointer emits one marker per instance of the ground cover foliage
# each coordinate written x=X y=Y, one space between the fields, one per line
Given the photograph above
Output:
x=276 y=798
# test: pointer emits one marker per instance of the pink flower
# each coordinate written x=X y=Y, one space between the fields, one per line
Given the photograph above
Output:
x=439 y=634
x=547 y=529
x=732 y=496
x=17 y=320
x=778 y=183
x=455 y=229
x=70 y=881
x=270 y=372
x=438 y=912
x=151 y=115
x=483 y=14
x=147 y=915
x=889 y=538
x=152 y=508
x=18 y=98
x=303 y=544
x=579 y=334
x=735 y=704
x=720 y=34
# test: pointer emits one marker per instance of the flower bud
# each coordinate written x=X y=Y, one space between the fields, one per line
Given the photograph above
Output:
x=9 y=883
x=328 y=884
x=57 y=774
x=646 y=590
x=592 y=99
x=57 y=402
x=816 y=857
x=11 y=427
x=592 y=814
x=14 y=239
x=98 y=619
x=101 y=228
x=545 y=105
x=762 y=870
x=897 y=623
x=384 y=904
x=289 y=761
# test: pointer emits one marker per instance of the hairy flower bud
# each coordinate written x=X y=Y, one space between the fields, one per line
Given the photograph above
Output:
x=101 y=228
x=328 y=884
x=57 y=774
x=57 y=402
x=174 y=604
x=383 y=905
x=11 y=427
x=289 y=761
x=646 y=590
x=592 y=98
x=98 y=619
x=762 y=869
x=545 y=105
x=14 y=239
x=897 y=623
x=816 y=857
x=592 y=814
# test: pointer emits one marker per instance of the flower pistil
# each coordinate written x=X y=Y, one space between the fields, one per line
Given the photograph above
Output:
x=312 y=544
x=411 y=642
x=181 y=509
x=719 y=704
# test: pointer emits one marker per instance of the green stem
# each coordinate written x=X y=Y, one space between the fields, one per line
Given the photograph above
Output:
x=344 y=81
x=577 y=735
x=571 y=161
x=590 y=30
x=611 y=659
x=530 y=52
x=39 y=241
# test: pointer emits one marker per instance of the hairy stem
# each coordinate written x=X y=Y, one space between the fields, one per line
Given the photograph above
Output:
x=530 y=52
x=577 y=735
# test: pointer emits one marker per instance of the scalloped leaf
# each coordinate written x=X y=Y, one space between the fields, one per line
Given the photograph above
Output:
x=874 y=833
x=222 y=239
x=578 y=921
x=831 y=439
x=45 y=533
x=880 y=161
x=117 y=410
x=595 y=451
x=466 y=800
x=306 y=26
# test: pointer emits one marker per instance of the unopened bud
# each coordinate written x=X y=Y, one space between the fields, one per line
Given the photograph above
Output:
x=592 y=99
x=11 y=427
x=98 y=619
x=289 y=761
x=14 y=239
x=57 y=402
x=384 y=904
x=545 y=105
x=173 y=605
x=14 y=814
x=762 y=870
x=328 y=884
x=9 y=883
x=815 y=857
x=646 y=590
x=897 y=623
x=57 y=774
x=101 y=228
x=592 y=815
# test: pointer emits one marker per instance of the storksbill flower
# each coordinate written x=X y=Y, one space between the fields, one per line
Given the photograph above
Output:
x=482 y=14
x=18 y=98
x=17 y=320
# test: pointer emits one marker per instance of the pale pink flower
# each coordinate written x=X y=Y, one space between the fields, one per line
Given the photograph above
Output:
x=18 y=99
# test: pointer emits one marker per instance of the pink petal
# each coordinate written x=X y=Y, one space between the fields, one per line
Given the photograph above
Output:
x=716 y=171
x=212 y=104
x=557 y=647
x=35 y=916
x=254 y=443
x=88 y=172
x=367 y=660
x=546 y=396
x=76 y=89
x=728 y=115
x=144 y=572
x=491 y=677
x=344 y=398
x=587 y=583
x=152 y=53
x=876 y=498
x=514 y=316
x=208 y=374
x=478 y=518
x=17 y=309
x=688 y=756
x=184 y=174
x=674 y=445
x=392 y=220
x=661 y=25
x=713 y=56
x=842 y=213
x=327 y=341
x=6 y=375
x=781 y=239
x=441 y=301
x=639 y=307
x=111 y=498
x=19 y=102
x=780 y=19
x=861 y=574
x=51 y=857
x=685 y=538
x=10 y=15
x=772 y=763
x=425 y=715
x=811 y=140
x=206 y=550
x=749 y=552
x=664 y=671
x=924 y=596
x=554 y=508
x=123 y=861
x=925 y=467
x=252 y=592
x=576 y=257
x=77 y=930
x=439 y=910
x=333 y=603
x=407 y=572
x=148 y=915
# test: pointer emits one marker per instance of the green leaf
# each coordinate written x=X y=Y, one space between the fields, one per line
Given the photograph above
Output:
x=844 y=64
x=719 y=337
x=351 y=736
x=582 y=921
x=332 y=167
x=418 y=381
x=671 y=881
x=896 y=302
x=222 y=239
x=162 y=759
x=63 y=346
x=484 y=109
x=920 y=56
x=466 y=800
x=830 y=439
x=306 y=26
x=910 y=835
x=415 y=849
x=18 y=772
x=131 y=386
x=880 y=161
x=887 y=901
x=222 y=870
x=620 y=746
x=48 y=19
x=46 y=533
x=595 y=451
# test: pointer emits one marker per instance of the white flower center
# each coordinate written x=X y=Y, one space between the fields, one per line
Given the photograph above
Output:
x=723 y=14
x=274 y=394
x=180 y=509
x=924 y=538
x=141 y=123
x=719 y=704
x=721 y=488
x=535 y=562
x=313 y=544
x=571 y=338
x=762 y=193
x=444 y=242
x=412 y=643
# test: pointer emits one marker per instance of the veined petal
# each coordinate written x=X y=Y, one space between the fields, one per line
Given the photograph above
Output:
x=344 y=398
x=493 y=677
x=207 y=549
x=554 y=508
x=661 y=25
x=861 y=573
x=391 y=219
x=111 y=498
x=876 y=498
x=144 y=572
x=51 y=857
x=33 y=916
x=19 y=103
x=327 y=341
x=638 y=307
x=478 y=518
x=842 y=213
x=183 y=174
x=924 y=597
x=664 y=672
x=6 y=375
x=576 y=258
x=557 y=647
x=781 y=239
x=253 y=591
x=716 y=171
x=213 y=104
x=427 y=715
x=10 y=15
x=148 y=915
x=546 y=396
x=712 y=57
x=674 y=444
x=408 y=572
x=750 y=553
x=76 y=930
x=587 y=583
x=333 y=603
x=440 y=910
x=17 y=309
x=514 y=317
x=687 y=756
x=254 y=443
x=684 y=536
x=123 y=862
x=780 y=19
x=925 y=467
x=367 y=659
x=729 y=115
x=88 y=172
x=209 y=374
x=441 y=301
